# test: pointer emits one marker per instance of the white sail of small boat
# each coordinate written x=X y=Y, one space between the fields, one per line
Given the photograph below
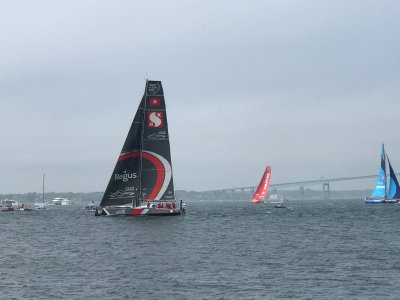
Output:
x=41 y=205
x=263 y=186
x=142 y=183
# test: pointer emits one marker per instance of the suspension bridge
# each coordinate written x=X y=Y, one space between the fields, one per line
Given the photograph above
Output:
x=325 y=182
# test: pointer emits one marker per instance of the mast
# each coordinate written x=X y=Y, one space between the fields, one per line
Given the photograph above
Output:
x=141 y=142
x=383 y=166
x=44 y=175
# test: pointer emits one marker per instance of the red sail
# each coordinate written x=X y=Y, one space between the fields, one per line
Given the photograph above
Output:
x=262 y=188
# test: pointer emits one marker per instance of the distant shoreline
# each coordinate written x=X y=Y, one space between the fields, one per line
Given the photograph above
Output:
x=193 y=195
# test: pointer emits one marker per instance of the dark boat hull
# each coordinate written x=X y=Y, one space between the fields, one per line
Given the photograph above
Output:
x=133 y=212
x=391 y=201
x=16 y=209
x=279 y=206
x=7 y=209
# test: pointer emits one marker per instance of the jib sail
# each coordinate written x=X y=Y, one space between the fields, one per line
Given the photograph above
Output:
x=262 y=188
x=380 y=187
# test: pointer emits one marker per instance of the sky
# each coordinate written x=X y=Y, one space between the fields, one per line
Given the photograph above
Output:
x=310 y=88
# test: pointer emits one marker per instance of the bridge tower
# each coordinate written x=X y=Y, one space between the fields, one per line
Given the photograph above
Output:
x=326 y=190
x=302 y=192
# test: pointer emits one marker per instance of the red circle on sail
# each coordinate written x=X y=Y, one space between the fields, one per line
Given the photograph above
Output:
x=158 y=166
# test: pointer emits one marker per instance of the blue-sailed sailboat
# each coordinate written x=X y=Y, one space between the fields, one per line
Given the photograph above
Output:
x=380 y=194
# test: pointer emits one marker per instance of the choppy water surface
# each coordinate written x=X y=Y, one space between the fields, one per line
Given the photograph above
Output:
x=219 y=250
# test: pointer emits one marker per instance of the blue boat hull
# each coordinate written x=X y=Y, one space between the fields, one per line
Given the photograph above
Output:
x=374 y=201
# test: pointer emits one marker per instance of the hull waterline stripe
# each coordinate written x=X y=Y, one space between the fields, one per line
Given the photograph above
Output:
x=137 y=211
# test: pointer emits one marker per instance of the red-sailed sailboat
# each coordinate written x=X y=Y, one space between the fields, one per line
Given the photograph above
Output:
x=262 y=188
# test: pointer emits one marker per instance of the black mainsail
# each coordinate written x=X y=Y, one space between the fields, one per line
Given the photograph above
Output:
x=143 y=172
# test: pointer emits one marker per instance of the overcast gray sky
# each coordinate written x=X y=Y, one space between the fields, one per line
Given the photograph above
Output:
x=308 y=87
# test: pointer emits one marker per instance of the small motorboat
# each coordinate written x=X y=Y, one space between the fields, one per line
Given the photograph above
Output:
x=40 y=205
x=7 y=208
x=9 y=205
x=90 y=207
x=18 y=207
x=23 y=207
x=279 y=205
x=278 y=201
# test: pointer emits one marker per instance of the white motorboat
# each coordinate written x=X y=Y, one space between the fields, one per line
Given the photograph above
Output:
x=61 y=201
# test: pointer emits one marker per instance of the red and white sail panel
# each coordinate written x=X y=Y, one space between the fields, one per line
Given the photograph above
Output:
x=262 y=188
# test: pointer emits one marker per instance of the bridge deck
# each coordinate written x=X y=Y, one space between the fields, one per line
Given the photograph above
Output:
x=298 y=183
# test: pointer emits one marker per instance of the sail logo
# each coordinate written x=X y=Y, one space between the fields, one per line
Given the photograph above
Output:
x=129 y=192
x=158 y=136
x=153 y=88
x=267 y=180
x=154 y=101
x=155 y=119
x=124 y=176
x=164 y=172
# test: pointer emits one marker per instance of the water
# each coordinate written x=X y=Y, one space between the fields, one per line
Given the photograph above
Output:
x=219 y=250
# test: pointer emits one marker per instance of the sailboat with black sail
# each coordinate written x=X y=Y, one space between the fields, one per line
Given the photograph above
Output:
x=142 y=181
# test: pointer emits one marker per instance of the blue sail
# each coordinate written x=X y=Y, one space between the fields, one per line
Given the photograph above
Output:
x=394 y=188
x=380 y=187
